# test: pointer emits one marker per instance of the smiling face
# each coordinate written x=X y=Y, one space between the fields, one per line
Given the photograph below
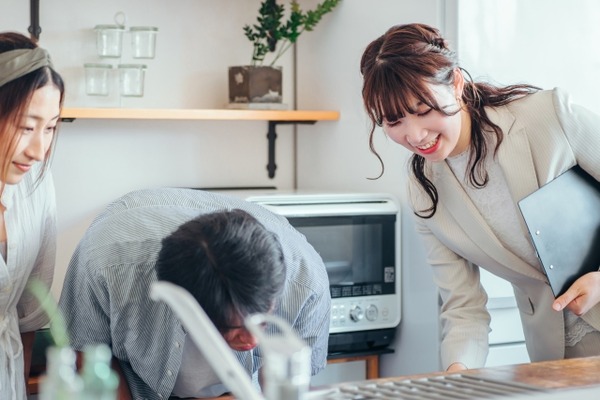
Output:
x=430 y=133
x=36 y=131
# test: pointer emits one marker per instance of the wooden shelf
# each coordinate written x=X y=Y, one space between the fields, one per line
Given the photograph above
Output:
x=70 y=114
x=274 y=118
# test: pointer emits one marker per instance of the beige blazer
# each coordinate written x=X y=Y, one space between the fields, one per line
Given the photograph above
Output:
x=545 y=135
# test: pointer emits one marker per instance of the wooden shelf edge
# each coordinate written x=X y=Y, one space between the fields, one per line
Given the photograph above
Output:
x=200 y=114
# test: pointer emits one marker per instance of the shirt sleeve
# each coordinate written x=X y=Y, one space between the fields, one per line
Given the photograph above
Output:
x=312 y=326
x=464 y=319
x=309 y=291
x=582 y=129
x=31 y=315
x=84 y=304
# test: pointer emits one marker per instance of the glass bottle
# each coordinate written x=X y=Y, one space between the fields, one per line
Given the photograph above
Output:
x=100 y=382
x=61 y=381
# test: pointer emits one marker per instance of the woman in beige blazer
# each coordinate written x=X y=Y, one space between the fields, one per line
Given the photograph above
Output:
x=478 y=150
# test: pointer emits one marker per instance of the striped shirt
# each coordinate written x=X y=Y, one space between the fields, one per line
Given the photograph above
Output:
x=105 y=293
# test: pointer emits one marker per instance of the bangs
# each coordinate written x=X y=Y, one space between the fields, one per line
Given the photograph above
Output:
x=391 y=93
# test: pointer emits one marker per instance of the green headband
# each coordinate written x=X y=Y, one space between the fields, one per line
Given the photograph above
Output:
x=16 y=63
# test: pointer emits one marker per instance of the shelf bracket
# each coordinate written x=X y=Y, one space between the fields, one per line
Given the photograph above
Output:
x=271 y=137
x=34 y=13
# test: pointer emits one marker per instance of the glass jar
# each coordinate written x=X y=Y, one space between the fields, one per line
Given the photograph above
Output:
x=100 y=382
x=61 y=381
x=131 y=79
x=143 y=41
x=97 y=79
x=109 y=40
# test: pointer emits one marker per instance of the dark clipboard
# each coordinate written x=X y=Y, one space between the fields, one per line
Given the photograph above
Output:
x=563 y=219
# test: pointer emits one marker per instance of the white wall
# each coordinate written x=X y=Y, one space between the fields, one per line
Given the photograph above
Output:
x=543 y=42
x=99 y=160
x=336 y=156
x=546 y=43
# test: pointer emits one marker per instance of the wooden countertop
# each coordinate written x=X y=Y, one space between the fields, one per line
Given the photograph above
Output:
x=577 y=372
x=570 y=373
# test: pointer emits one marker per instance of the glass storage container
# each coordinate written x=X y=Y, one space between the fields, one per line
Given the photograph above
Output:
x=109 y=40
x=143 y=41
x=97 y=79
x=131 y=78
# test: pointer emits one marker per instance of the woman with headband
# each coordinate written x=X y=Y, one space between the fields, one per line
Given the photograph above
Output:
x=31 y=97
x=477 y=150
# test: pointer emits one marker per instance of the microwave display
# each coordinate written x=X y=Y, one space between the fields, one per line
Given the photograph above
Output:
x=358 y=252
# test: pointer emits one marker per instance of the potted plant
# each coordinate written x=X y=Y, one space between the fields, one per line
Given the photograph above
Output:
x=260 y=82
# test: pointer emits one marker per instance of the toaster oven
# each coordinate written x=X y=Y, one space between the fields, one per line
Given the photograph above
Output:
x=358 y=237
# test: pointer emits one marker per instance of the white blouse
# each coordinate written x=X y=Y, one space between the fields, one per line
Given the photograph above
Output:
x=30 y=219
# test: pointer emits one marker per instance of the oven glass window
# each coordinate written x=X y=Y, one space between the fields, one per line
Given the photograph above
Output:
x=358 y=252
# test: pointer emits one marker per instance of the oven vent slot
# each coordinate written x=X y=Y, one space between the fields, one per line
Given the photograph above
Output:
x=319 y=202
x=449 y=387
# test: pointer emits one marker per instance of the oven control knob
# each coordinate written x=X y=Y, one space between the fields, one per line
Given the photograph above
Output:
x=372 y=312
x=356 y=314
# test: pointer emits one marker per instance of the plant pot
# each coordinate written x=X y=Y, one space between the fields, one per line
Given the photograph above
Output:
x=248 y=84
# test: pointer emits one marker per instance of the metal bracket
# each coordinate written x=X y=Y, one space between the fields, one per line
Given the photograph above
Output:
x=271 y=137
x=34 y=13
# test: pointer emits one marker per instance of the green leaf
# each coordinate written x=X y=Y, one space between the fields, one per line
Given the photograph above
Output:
x=272 y=34
x=58 y=330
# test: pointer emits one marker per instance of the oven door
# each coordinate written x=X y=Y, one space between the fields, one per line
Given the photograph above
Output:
x=359 y=253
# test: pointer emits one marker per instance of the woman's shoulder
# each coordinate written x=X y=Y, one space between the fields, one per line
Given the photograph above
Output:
x=537 y=107
x=542 y=98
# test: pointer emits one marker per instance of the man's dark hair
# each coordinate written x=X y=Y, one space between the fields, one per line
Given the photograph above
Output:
x=229 y=262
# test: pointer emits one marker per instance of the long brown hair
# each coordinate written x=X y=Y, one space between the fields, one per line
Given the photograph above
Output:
x=398 y=66
x=15 y=97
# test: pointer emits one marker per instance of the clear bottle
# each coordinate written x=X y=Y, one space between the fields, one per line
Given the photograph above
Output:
x=100 y=381
x=61 y=381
